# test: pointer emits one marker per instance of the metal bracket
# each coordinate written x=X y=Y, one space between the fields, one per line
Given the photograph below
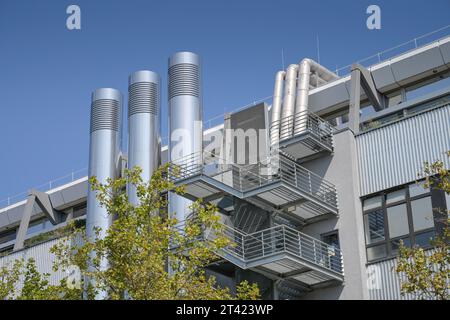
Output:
x=361 y=77
x=43 y=201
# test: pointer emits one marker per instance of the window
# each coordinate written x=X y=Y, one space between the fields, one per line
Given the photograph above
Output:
x=39 y=225
x=397 y=220
x=334 y=256
x=395 y=244
x=422 y=214
x=79 y=210
x=376 y=252
x=396 y=196
x=372 y=203
x=401 y=215
x=331 y=239
x=425 y=238
x=374 y=226
x=7 y=235
x=416 y=189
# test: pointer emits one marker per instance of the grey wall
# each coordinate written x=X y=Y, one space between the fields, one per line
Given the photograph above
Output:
x=342 y=170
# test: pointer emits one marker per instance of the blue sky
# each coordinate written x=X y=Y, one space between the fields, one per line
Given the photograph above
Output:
x=47 y=72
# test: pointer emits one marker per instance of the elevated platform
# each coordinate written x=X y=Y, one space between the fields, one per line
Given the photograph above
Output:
x=282 y=252
x=304 y=136
x=282 y=185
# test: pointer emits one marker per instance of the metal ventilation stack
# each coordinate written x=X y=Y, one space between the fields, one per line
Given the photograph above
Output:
x=105 y=141
x=185 y=120
x=144 y=122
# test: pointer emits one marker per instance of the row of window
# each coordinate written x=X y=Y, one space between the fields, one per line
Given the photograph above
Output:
x=40 y=225
x=405 y=215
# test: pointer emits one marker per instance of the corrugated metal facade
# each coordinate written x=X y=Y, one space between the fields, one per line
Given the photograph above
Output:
x=384 y=283
x=43 y=258
x=394 y=154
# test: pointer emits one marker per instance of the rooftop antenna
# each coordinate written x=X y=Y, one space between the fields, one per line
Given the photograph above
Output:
x=318 y=49
x=282 y=59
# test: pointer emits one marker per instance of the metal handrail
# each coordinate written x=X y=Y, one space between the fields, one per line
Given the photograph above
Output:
x=244 y=178
x=300 y=123
x=249 y=247
x=49 y=185
x=378 y=58
x=300 y=177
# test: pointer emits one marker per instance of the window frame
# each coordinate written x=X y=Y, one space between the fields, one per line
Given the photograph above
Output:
x=387 y=242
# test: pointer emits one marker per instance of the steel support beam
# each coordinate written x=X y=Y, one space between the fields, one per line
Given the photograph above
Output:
x=42 y=199
x=24 y=223
x=361 y=77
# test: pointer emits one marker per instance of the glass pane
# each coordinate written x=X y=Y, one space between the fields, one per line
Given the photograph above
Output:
x=374 y=226
x=395 y=196
x=7 y=236
x=397 y=221
x=423 y=239
x=395 y=244
x=372 y=203
x=376 y=252
x=422 y=213
x=417 y=189
x=331 y=239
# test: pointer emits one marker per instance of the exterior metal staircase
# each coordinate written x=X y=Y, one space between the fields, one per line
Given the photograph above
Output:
x=281 y=184
x=282 y=252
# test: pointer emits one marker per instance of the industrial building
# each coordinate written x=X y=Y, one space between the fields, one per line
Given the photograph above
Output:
x=315 y=187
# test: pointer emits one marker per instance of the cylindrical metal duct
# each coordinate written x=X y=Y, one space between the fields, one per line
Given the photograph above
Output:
x=105 y=142
x=288 y=109
x=320 y=75
x=144 y=118
x=185 y=120
x=301 y=104
x=276 y=108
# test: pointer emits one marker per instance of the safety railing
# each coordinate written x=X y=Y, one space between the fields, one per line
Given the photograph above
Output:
x=301 y=123
x=397 y=50
x=251 y=247
x=51 y=184
x=307 y=181
x=249 y=177
x=241 y=178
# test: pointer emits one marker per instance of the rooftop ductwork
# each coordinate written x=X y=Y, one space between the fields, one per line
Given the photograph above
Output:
x=308 y=71
x=287 y=111
x=276 y=104
x=288 y=108
x=144 y=119
x=293 y=128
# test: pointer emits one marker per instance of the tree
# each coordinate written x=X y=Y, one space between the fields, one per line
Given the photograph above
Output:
x=21 y=280
x=427 y=273
x=9 y=278
x=150 y=255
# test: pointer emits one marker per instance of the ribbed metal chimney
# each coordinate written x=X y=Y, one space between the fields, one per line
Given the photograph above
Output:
x=144 y=119
x=185 y=119
x=104 y=152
